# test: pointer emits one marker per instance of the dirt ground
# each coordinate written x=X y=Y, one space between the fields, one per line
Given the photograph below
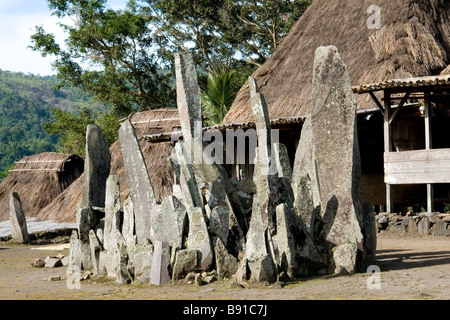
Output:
x=412 y=268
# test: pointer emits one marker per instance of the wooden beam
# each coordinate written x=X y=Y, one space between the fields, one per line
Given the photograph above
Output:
x=374 y=98
x=387 y=143
x=428 y=146
x=401 y=104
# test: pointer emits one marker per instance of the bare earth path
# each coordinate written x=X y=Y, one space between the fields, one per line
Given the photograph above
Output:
x=412 y=267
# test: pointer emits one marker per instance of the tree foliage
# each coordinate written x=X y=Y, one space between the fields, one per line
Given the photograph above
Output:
x=218 y=96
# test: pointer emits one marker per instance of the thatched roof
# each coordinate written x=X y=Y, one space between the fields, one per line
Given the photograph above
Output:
x=39 y=179
x=414 y=41
x=64 y=207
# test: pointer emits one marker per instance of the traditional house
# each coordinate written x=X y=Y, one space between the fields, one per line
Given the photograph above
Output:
x=39 y=179
x=411 y=40
x=154 y=123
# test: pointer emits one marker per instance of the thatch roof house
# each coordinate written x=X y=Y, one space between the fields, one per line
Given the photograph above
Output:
x=39 y=179
x=152 y=129
x=413 y=40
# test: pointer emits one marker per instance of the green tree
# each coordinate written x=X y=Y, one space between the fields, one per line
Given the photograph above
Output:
x=218 y=96
x=124 y=69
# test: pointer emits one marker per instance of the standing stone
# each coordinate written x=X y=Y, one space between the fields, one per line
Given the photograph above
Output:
x=305 y=184
x=112 y=212
x=122 y=274
x=297 y=254
x=141 y=190
x=169 y=222
x=128 y=223
x=333 y=119
x=209 y=175
x=226 y=264
x=95 y=251
x=261 y=265
x=17 y=220
x=219 y=223
x=198 y=238
x=267 y=185
x=84 y=217
x=141 y=261
x=424 y=226
x=188 y=95
x=74 y=253
x=159 y=273
x=96 y=167
x=186 y=261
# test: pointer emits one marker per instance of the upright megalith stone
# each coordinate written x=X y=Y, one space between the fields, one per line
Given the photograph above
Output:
x=268 y=186
x=17 y=220
x=199 y=239
x=333 y=121
x=141 y=190
x=170 y=222
x=113 y=212
x=198 y=167
x=159 y=273
x=128 y=227
x=96 y=167
x=296 y=253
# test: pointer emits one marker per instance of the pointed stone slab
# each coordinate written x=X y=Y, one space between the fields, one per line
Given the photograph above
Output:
x=17 y=220
x=95 y=251
x=333 y=119
x=198 y=238
x=159 y=273
x=96 y=167
x=141 y=190
x=169 y=223
x=188 y=94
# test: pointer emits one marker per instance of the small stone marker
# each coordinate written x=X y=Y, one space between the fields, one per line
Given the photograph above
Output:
x=159 y=273
x=198 y=238
x=17 y=220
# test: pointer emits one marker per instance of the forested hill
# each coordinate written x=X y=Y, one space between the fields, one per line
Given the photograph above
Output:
x=25 y=102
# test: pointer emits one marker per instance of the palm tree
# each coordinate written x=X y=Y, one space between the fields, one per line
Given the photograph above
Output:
x=218 y=96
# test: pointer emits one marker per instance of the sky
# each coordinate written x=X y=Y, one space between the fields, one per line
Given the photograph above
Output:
x=18 y=19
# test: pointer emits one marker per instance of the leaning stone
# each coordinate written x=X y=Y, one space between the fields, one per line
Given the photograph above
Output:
x=333 y=120
x=186 y=261
x=226 y=264
x=141 y=189
x=17 y=220
x=219 y=223
x=198 y=238
x=96 y=167
x=159 y=273
x=282 y=160
x=263 y=269
x=424 y=226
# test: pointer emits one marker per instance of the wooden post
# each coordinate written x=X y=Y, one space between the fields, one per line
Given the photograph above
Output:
x=428 y=146
x=387 y=143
